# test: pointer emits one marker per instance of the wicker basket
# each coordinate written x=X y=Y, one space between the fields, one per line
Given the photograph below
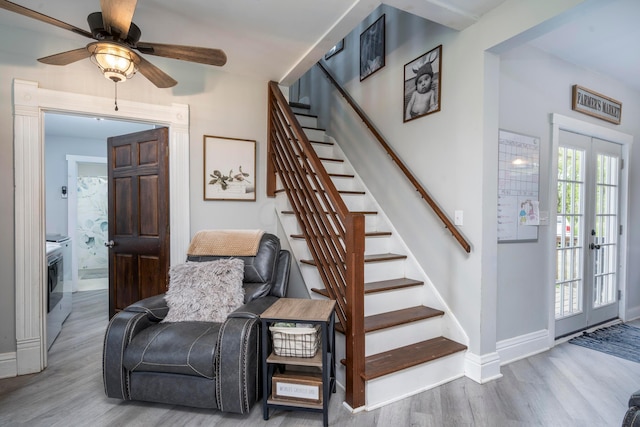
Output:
x=295 y=341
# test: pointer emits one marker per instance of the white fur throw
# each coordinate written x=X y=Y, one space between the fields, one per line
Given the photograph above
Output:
x=205 y=291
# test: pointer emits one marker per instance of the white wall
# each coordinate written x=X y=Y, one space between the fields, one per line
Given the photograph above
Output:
x=453 y=153
x=532 y=86
x=220 y=104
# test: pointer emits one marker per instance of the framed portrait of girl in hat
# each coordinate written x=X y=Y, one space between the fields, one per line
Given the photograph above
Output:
x=422 y=85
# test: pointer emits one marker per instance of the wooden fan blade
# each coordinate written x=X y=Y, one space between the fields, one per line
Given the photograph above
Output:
x=21 y=10
x=201 y=55
x=66 y=58
x=117 y=16
x=154 y=74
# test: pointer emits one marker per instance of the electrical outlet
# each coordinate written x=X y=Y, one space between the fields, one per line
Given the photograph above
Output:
x=458 y=218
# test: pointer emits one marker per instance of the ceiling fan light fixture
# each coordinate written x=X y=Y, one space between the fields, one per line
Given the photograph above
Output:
x=117 y=62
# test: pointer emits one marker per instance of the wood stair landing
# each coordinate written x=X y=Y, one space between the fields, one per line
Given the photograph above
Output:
x=391 y=361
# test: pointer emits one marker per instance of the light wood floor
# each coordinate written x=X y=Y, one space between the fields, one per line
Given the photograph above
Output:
x=566 y=386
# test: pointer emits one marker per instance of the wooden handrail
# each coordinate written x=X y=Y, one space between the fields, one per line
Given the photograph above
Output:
x=334 y=235
x=416 y=184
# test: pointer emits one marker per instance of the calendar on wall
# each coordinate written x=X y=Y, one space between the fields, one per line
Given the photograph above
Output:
x=518 y=187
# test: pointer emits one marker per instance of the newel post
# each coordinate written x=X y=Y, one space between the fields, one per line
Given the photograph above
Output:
x=271 y=116
x=354 y=242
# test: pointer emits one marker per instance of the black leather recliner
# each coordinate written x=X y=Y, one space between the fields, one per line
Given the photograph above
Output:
x=632 y=417
x=198 y=364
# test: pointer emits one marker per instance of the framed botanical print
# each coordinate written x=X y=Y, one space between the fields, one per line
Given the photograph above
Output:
x=229 y=168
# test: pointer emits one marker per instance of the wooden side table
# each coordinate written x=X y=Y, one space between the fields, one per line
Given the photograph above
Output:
x=301 y=388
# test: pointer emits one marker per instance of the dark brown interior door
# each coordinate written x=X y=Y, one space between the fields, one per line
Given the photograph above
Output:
x=138 y=166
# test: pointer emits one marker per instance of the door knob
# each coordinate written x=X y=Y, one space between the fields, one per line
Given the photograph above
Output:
x=594 y=246
x=110 y=244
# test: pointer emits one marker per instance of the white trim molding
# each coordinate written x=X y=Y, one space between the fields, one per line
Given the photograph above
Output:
x=30 y=102
x=483 y=368
x=8 y=365
x=517 y=348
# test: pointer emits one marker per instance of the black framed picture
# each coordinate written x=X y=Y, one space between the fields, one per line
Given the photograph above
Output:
x=335 y=49
x=422 y=82
x=372 y=48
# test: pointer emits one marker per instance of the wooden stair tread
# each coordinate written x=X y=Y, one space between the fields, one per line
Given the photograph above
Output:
x=312 y=128
x=321 y=142
x=327 y=159
x=378 y=365
x=396 y=318
x=381 y=286
x=367 y=258
x=351 y=192
x=368 y=234
x=299 y=105
x=399 y=317
x=290 y=212
x=387 y=285
x=341 y=175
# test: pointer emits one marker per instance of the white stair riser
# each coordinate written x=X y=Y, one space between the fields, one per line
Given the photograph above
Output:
x=346 y=183
x=307 y=121
x=357 y=202
x=408 y=382
x=373 y=245
x=324 y=150
x=400 y=336
x=374 y=271
x=335 y=167
x=382 y=302
x=314 y=134
x=376 y=245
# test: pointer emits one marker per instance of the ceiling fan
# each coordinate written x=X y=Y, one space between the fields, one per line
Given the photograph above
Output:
x=116 y=37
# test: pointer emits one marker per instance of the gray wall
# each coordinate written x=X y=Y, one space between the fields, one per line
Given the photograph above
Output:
x=56 y=150
x=532 y=86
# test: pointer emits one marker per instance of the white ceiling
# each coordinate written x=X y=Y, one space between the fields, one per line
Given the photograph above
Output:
x=280 y=39
x=273 y=39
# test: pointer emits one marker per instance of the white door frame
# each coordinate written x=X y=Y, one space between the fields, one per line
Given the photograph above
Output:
x=29 y=104
x=560 y=122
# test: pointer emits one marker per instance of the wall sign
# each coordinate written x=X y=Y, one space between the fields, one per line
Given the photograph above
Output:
x=594 y=104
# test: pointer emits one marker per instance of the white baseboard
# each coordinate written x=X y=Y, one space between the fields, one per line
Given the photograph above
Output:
x=632 y=313
x=8 y=365
x=482 y=368
x=517 y=348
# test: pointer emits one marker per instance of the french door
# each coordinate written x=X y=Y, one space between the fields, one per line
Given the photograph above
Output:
x=587 y=232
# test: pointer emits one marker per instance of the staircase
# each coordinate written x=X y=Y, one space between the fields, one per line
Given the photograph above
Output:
x=412 y=342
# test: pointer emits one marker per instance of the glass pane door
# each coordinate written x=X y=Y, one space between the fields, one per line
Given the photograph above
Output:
x=586 y=232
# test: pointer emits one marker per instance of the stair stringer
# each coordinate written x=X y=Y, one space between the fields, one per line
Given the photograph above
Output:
x=405 y=383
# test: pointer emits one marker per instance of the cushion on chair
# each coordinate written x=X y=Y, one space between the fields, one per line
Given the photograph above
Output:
x=181 y=348
x=260 y=270
x=204 y=291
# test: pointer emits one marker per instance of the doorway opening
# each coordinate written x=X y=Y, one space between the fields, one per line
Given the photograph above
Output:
x=76 y=196
x=29 y=105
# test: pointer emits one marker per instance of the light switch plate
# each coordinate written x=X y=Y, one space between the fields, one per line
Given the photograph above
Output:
x=458 y=218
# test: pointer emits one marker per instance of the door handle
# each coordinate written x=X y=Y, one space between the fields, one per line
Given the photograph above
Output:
x=591 y=246
x=110 y=244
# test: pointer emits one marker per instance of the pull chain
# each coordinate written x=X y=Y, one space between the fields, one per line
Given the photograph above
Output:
x=116 y=101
